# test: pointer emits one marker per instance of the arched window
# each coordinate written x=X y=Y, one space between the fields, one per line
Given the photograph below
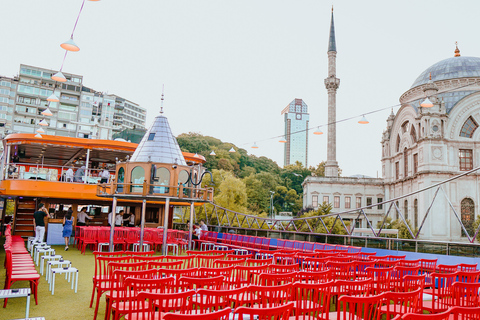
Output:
x=120 y=179
x=413 y=134
x=468 y=128
x=137 y=177
x=397 y=148
x=405 y=163
x=468 y=215
x=405 y=209
x=396 y=211
x=182 y=179
x=162 y=178
x=415 y=213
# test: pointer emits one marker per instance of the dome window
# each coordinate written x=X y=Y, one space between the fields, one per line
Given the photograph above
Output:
x=468 y=128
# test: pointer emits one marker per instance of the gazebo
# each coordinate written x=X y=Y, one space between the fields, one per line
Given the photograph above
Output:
x=158 y=172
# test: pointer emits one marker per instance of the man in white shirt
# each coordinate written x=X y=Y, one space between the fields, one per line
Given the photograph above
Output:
x=69 y=175
x=81 y=216
x=119 y=219
x=105 y=175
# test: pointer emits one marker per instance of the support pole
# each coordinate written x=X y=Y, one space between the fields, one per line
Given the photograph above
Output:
x=86 y=165
x=190 y=227
x=7 y=165
x=165 y=227
x=142 y=223
x=111 y=247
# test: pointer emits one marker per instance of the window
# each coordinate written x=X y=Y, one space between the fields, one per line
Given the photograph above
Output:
x=162 y=178
x=397 y=148
x=396 y=210
x=405 y=163
x=151 y=136
x=137 y=177
x=121 y=177
x=347 y=202
x=336 y=202
x=415 y=213
x=315 y=201
x=397 y=169
x=468 y=128
x=466 y=159
x=325 y=199
x=359 y=202
x=468 y=216
x=415 y=163
x=369 y=202
x=405 y=209
x=380 y=206
x=413 y=134
x=405 y=126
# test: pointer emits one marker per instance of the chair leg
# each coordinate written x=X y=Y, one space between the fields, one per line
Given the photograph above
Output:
x=93 y=293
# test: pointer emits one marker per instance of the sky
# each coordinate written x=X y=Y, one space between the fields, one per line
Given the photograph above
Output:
x=230 y=67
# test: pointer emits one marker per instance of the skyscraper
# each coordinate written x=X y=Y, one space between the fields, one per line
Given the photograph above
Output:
x=296 y=124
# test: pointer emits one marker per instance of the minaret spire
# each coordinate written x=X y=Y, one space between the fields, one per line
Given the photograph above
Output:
x=332 y=83
x=161 y=103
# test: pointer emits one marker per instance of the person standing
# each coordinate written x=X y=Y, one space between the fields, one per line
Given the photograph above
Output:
x=119 y=219
x=39 y=222
x=81 y=216
x=105 y=175
x=68 y=222
x=69 y=174
x=203 y=228
x=79 y=174
x=131 y=220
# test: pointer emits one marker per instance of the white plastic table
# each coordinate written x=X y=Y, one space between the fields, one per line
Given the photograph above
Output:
x=220 y=247
x=207 y=246
x=23 y=292
x=67 y=271
x=175 y=248
x=146 y=247
x=48 y=258
x=56 y=264
x=36 y=245
x=240 y=252
x=45 y=251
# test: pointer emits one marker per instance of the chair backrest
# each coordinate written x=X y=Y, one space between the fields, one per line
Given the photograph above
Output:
x=147 y=305
x=382 y=277
x=315 y=264
x=354 y=287
x=272 y=296
x=413 y=282
x=354 y=307
x=465 y=313
x=442 y=297
x=299 y=245
x=428 y=265
x=265 y=244
x=467 y=267
x=207 y=260
x=437 y=316
x=280 y=243
x=245 y=275
x=165 y=264
x=210 y=300
x=228 y=263
x=284 y=258
x=312 y=299
x=140 y=254
x=409 y=263
x=177 y=273
x=155 y=285
x=188 y=261
x=277 y=268
x=466 y=294
x=367 y=256
x=385 y=263
x=272 y=313
x=398 y=274
x=190 y=283
x=314 y=276
x=226 y=272
x=394 y=303
x=132 y=266
x=342 y=270
x=147 y=259
x=276 y=279
x=101 y=267
x=361 y=268
x=217 y=315
x=468 y=276
x=257 y=262
x=446 y=268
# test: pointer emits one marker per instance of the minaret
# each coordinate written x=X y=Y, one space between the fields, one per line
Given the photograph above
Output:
x=332 y=83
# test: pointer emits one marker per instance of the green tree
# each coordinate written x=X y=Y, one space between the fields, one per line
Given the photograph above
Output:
x=398 y=224
x=258 y=190
x=316 y=224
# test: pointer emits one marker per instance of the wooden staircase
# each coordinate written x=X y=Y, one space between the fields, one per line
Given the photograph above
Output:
x=23 y=225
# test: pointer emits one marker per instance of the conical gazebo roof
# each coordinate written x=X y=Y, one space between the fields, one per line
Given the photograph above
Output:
x=159 y=145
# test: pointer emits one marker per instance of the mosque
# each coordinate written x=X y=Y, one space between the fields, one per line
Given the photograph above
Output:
x=431 y=138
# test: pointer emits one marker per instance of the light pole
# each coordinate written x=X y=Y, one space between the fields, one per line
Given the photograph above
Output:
x=271 y=203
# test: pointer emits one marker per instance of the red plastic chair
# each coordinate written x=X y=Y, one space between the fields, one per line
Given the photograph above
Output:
x=314 y=276
x=468 y=276
x=398 y=274
x=276 y=279
x=209 y=300
x=398 y=303
x=274 y=313
x=342 y=270
x=312 y=300
x=361 y=268
x=382 y=278
x=353 y=287
x=189 y=283
x=384 y=263
x=438 y=316
x=165 y=264
x=367 y=256
x=147 y=259
x=206 y=261
x=277 y=268
x=409 y=263
x=150 y=306
x=89 y=238
x=442 y=295
x=228 y=263
x=218 y=315
x=354 y=307
x=258 y=262
x=177 y=273
x=270 y=296
x=465 y=313
x=446 y=268
x=188 y=261
x=245 y=275
x=315 y=264
x=467 y=267
x=284 y=258
x=413 y=282
x=466 y=294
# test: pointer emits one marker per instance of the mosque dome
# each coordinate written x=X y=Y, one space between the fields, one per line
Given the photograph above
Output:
x=451 y=68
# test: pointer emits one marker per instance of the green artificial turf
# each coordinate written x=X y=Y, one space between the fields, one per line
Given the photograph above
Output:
x=65 y=304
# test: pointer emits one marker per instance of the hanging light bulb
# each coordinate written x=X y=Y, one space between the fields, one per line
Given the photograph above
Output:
x=53 y=98
x=43 y=123
x=40 y=130
x=363 y=120
x=38 y=135
x=47 y=112
x=69 y=45
x=318 y=131
x=232 y=150
x=426 y=103
x=59 y=77
x=213 y=153
x=254 y=146
x=282 y=140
